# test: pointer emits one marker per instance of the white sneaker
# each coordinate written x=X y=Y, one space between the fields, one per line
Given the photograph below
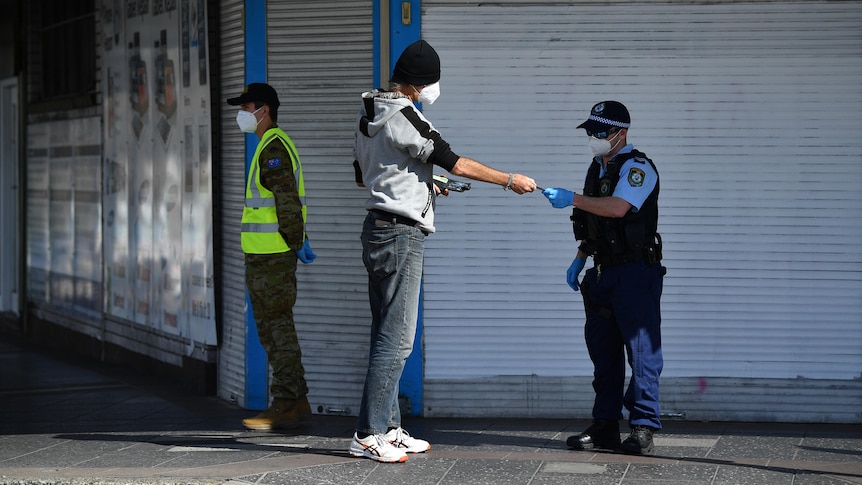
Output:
x=377 y=448
x=402 y=440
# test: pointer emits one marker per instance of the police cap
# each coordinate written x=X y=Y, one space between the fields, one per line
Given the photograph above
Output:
x=607 y=115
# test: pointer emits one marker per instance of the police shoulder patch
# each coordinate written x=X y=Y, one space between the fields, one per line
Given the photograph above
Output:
x=273 y=162
x=636 y=177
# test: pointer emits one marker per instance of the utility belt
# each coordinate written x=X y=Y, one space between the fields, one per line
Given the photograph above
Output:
x=384 y=219
x=651 y=253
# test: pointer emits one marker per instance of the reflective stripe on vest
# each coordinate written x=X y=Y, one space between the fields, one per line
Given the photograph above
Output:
x=260 y=234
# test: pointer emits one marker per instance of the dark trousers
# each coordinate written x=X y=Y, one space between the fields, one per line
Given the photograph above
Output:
x=629 y=332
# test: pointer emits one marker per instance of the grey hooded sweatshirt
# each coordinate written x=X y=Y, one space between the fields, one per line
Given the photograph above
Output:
x=395 y=149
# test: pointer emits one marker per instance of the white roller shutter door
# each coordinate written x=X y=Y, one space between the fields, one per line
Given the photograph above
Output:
x=320 y=60
x=231 y=360
x=753 y=115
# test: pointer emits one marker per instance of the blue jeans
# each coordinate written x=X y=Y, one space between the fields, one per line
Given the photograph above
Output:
x=393 y=256
x=633 y=292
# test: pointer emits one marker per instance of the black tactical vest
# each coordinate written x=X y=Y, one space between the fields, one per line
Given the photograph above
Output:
x=617 y=240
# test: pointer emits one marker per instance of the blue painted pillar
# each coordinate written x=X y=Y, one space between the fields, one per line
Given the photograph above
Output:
x=256 y=366
x=404 y=29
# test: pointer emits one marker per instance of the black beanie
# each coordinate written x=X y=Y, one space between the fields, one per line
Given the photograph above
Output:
x=418 y=65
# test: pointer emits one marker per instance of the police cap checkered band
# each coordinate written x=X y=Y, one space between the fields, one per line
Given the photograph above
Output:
x=606 y=115
x=609 y=121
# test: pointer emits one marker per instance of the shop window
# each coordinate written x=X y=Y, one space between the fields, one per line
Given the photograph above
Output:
x=65 y=34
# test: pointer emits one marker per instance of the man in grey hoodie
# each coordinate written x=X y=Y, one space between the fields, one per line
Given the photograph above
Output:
x=396 y=149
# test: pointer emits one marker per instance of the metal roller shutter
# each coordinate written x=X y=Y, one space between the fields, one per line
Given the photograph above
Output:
x=751 y=112
x=320 y=59
x=231 y=362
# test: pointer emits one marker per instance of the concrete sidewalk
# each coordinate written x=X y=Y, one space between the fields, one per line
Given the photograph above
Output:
x=71 y=421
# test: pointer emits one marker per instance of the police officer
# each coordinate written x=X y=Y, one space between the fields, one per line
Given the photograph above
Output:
x=273 y=238
x=616 y=221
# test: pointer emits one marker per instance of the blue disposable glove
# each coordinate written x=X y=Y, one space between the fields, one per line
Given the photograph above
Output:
x=573 y=272
x=305 y=254
x=560 y=198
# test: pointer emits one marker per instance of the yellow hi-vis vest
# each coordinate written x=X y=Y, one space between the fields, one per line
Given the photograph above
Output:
x=259 y=218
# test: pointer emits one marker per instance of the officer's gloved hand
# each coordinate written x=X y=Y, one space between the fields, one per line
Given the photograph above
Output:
x=574 y=270
x=560 y=198
x=305 y=254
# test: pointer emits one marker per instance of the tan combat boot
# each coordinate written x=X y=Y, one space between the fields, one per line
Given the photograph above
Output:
x=302 y=409
x=283 y=413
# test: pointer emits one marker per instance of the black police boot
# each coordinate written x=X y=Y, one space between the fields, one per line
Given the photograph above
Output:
x=604 y=433
x=639 y=441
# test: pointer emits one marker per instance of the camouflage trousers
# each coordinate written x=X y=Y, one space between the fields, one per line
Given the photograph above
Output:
x=271 y=282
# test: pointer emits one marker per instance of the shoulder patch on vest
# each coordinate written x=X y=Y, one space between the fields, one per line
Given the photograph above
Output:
x=636 y=177
x=273 y=162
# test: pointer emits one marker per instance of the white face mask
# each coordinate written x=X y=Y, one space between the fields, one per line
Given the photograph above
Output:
x=247 y=121
x=601 y=147
x=430 y=93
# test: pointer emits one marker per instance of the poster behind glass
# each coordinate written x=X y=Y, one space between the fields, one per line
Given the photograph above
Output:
x=157 y=199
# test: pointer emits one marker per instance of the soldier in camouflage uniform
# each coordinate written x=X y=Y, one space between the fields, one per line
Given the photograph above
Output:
x=273 y=238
